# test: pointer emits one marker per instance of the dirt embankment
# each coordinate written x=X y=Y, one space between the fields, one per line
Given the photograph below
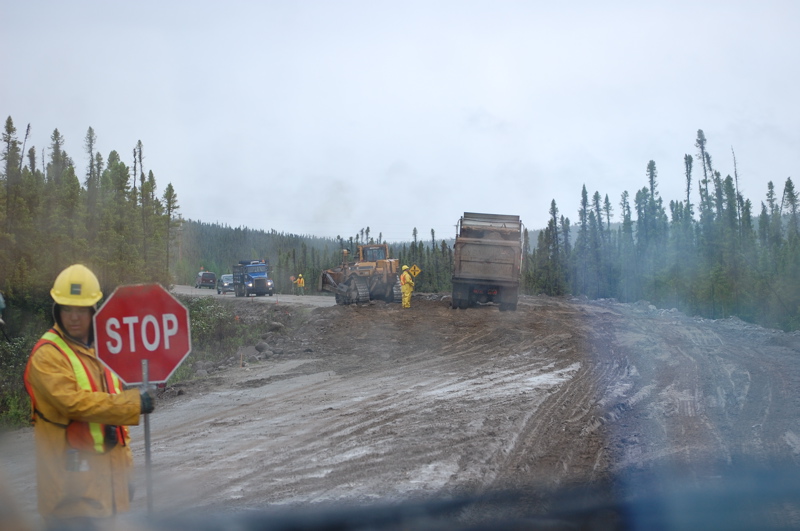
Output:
x=375 y=403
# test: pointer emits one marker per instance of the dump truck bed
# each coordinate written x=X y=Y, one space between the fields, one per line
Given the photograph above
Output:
x=486 y=260
x=494 y=260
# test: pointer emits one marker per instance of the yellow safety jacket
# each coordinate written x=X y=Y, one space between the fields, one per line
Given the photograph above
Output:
x=406 y=282
x=98 y=486
x=80 y=435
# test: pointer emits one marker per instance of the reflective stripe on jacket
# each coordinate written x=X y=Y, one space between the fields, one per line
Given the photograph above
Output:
x=80 y=435
x=99 y=488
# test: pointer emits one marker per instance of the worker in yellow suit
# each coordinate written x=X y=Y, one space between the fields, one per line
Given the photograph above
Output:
x=300 y=284
x=406 y=286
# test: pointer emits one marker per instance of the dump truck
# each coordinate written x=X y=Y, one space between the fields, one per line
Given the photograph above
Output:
x=371 y=276
x=487 y=256
x=251 y=277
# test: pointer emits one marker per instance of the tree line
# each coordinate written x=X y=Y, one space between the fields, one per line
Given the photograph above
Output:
x=112 y=218
x=708 y=253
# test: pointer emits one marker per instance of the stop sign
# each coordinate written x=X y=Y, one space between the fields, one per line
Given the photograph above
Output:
x=142 y=322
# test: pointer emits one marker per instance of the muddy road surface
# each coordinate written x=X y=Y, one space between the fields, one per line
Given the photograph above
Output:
x=582 y=411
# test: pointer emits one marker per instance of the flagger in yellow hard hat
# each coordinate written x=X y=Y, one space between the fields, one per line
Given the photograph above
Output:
x=79 y=412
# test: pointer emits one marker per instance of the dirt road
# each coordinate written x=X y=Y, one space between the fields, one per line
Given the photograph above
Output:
x=320 y=301
x=362 y=404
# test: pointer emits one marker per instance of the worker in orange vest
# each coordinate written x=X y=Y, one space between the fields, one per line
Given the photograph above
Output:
x=79 y=411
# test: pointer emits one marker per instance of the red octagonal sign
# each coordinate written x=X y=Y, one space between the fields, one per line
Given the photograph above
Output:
x=142 y=322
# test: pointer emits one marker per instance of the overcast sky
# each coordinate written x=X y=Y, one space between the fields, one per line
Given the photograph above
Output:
x=325 y=117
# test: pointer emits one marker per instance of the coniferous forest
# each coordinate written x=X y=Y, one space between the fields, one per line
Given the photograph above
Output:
x=710 y=253
x=716 y=256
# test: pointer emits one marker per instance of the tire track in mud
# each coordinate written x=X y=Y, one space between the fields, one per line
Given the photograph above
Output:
x=660 y=391
x=564 y=441
x=700 y=394
x=441 y=392
x=401 y=420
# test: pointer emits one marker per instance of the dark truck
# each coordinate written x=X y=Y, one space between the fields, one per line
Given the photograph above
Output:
x=251 y=277
x=486 y=260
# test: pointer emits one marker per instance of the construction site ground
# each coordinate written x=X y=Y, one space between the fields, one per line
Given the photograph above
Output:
x=563 y=399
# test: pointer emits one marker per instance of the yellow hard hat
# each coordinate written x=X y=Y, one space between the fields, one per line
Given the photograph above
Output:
x=405 y=267
x=76 y=286
x=300 y=275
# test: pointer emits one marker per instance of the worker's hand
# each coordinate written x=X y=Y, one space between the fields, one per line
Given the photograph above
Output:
x=148 y=404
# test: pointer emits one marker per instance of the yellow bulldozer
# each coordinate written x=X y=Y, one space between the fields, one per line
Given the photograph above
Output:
x=373 y=275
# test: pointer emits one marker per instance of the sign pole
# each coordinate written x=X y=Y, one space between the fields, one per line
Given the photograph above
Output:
x=147 y=463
